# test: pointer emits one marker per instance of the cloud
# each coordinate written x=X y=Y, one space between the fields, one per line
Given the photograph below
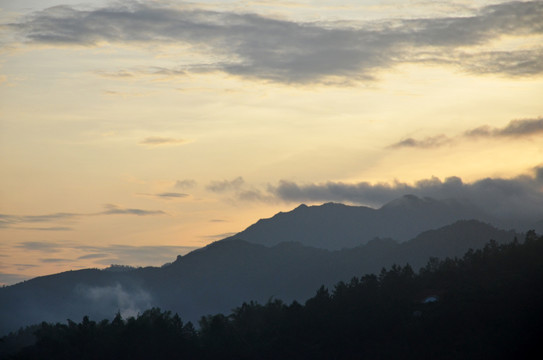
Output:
x=428 y=142
x=226 y=185
x=172 y=195
x=168 y=195
x=240 y=190
x=159 y=141
x=92 y=256
x=129 y=302
x=185 y=184
x=515 y=129
x=153 y=70
x=511 y=63
x=46 y=247
x=52 y=228
x=254 y=195
x=519 y=197
x=259 y=47
x=113 y=209
x=219 y=236
x=55 y=260
x=15 y=221
x=25 y=266
x=6 y=219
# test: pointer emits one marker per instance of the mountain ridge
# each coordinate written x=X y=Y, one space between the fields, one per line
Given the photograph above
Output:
x=334 y=226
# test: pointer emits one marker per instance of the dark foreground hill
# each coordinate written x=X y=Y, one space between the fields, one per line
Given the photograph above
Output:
x=222 y=275
x=486 y=305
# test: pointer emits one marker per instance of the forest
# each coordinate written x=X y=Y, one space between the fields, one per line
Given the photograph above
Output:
x=486 y=304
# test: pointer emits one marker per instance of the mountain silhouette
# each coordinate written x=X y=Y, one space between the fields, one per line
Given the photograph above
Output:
x=222 y=275
x=335 y=226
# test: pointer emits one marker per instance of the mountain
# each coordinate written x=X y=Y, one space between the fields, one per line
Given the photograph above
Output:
x=222 y=275
x=335 y=226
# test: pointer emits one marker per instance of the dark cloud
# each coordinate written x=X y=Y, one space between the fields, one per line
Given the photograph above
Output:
x=171 y=195
x=185 y=184
x=6 y=219
x=515 y=129
x=539 y=174
x=12 y=221
x=46 y=247
x=428 y=142
x=92 y=256
x=255 y=46
x=52 y=228
x=519 y=197
x=25 y=266
x=254 y=195
x=114 y=210
x=510 y=63
x=55 y=260
x=219 y=236
x=157 y=141
x=226 y=185
x=167 y=195
x=153 y=70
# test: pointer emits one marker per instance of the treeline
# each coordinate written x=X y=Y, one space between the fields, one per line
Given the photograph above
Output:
x=487 y=304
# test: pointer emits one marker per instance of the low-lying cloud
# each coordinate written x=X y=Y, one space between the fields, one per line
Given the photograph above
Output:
x=239 y=189
x=288 y=51
x=129 y=302
x=520 y=197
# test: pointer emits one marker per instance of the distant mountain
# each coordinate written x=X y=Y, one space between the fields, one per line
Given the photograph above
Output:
x=221 y=276
x=335 y=226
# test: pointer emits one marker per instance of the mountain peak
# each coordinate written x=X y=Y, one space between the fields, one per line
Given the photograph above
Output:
x=335 y=226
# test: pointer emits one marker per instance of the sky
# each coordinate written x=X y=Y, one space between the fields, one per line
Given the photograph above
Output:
x=133 y=131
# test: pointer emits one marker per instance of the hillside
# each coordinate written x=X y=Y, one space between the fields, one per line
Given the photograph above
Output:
x=220 y=276
x=486 y=304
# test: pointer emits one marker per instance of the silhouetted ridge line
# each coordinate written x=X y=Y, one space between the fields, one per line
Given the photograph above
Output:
x=335 y=226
